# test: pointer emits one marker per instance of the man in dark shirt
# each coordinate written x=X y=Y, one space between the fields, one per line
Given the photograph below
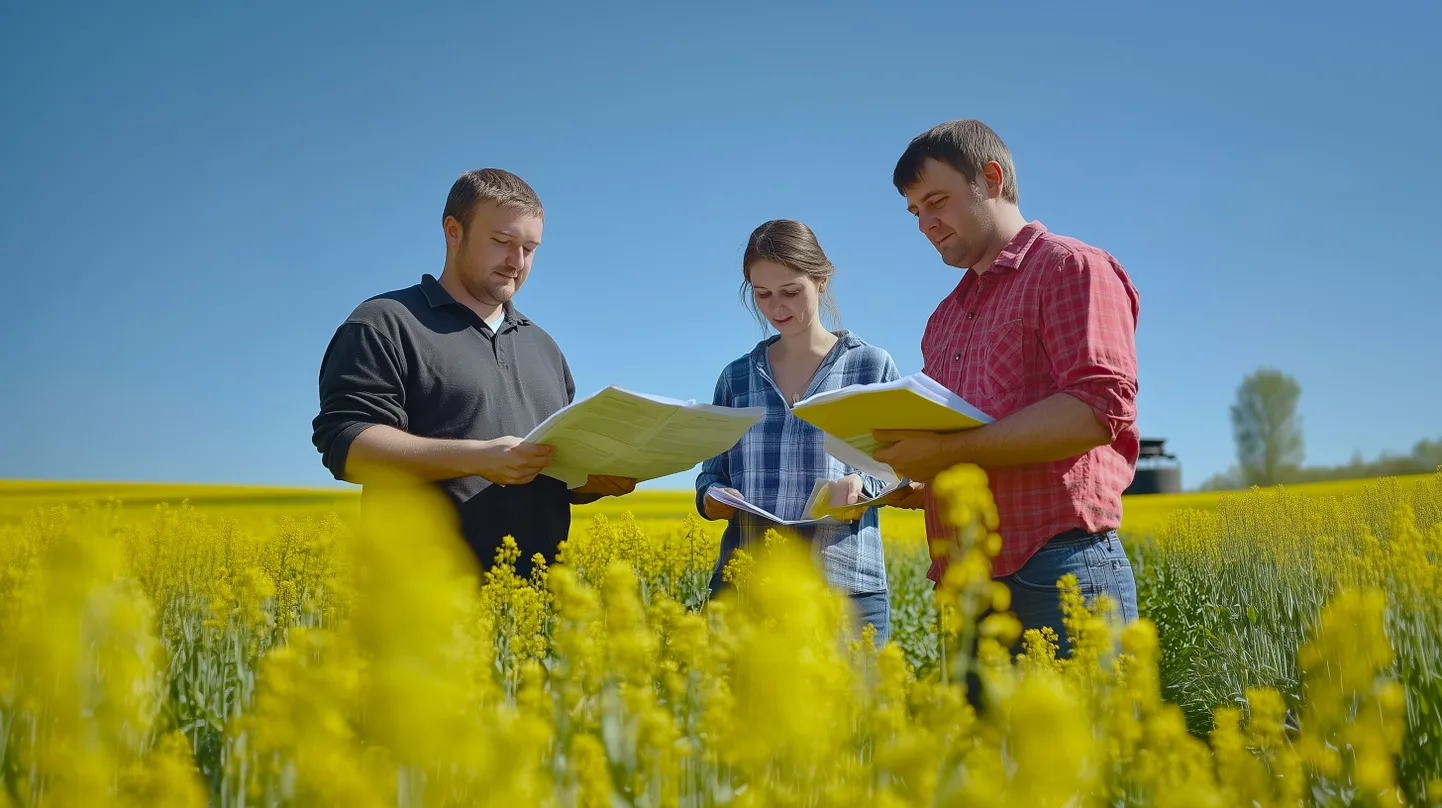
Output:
x=441 y=380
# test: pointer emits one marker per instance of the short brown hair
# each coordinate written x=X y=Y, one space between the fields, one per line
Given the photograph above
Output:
x=964 y=144
x=489 y=185
x=793 y=245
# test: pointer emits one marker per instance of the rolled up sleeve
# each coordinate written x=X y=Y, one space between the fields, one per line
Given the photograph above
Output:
x=1089 y=321
x=361 y=385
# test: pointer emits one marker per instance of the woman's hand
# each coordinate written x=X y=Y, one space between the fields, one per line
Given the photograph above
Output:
x=720 y=510
x=846 y=490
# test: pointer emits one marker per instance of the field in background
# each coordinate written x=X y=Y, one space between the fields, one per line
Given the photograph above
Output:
x=1142 y=514
x=19 y=497
x=247 y=648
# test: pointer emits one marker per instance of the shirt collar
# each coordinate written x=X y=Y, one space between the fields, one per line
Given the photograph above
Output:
x=437 y=296
x=845 y=342
x=1015 y=250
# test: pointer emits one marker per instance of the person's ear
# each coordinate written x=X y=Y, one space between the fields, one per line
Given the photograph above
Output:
x=995 y=179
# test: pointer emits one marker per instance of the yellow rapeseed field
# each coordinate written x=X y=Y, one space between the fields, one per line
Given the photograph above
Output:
x=203 y=645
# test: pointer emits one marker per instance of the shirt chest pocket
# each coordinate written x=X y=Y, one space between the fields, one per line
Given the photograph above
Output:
x=1002 y=376
x=752 y=398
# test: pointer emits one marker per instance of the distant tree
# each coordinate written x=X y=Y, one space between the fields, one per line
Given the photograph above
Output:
x=1266 y=427
x=1428 y=453
x=1425 y=458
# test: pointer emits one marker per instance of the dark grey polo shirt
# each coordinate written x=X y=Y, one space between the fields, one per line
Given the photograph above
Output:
x=417 y=360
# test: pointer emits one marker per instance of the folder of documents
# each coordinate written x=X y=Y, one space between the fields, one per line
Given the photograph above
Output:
x=819 y=504
x=622 y=433
x=850 y=414
x=742 y=504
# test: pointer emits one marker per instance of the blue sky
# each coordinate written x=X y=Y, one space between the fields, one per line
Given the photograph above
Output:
x=195 y=197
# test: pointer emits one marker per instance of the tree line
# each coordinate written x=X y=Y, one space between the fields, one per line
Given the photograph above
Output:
x=1270 y=450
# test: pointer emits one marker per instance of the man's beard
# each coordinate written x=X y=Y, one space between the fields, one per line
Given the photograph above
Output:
x=501 y=290
x=965 y=252
x=491 y=287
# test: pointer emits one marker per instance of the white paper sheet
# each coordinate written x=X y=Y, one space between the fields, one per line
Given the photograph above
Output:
x=740 y=503
x=860 y=460
x=627 y=434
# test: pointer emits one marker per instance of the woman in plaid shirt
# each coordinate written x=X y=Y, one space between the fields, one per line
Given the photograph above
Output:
x=777 y=462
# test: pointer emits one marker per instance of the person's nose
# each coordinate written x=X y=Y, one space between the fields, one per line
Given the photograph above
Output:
x=924 y=223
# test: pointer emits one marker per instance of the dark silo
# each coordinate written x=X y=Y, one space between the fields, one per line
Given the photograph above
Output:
x=1157 y=472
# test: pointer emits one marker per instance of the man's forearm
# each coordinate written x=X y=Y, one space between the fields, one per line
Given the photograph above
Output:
x=382 y=449
x=1055 y=428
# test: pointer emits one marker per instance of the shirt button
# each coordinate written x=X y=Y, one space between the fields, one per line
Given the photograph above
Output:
x=971 y=315
x=957 y=357
x=505 y=366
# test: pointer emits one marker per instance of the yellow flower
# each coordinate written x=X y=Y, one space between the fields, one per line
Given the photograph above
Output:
x=592 y=775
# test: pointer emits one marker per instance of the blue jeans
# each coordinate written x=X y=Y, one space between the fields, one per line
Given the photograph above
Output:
x=1100 y=566
x=873 y=608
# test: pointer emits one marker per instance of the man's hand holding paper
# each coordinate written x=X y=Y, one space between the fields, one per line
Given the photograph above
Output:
x=914 y=454
x=509 y=461
x=911 y=496
x=601 y=485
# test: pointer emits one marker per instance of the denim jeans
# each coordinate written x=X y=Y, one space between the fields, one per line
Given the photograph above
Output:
x=1100 y=566
x=873 y=608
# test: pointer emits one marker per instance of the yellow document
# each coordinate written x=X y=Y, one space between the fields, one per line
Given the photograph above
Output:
x=819 y=504
x=849 y=415
x=627 y=434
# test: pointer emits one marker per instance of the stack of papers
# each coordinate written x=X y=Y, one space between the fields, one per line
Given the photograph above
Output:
x=741 y=504
x=849 y=415
x=818 y=508
x=621 y=433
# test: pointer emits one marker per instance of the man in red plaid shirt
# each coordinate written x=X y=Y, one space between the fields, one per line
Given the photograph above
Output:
x=1039 y=334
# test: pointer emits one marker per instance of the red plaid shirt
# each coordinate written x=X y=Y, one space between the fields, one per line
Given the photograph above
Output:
x=1051 y=315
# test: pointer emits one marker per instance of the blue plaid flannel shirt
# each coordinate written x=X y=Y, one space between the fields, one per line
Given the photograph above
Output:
x=778 y=460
